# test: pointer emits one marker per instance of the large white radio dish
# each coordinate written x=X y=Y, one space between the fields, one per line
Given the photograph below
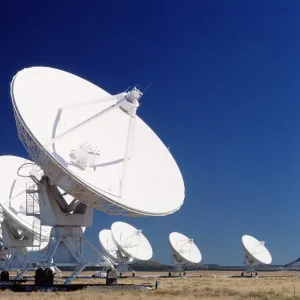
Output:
x=131 y=241
x=184 y=249
x=255 y=251
x=92 y=145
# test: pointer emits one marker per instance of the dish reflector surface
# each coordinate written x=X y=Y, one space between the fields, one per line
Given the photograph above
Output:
x=185 y=247
x=13 y=195
x=153 y=184
x=256 y=249
x=131 y=241
x=107 y=242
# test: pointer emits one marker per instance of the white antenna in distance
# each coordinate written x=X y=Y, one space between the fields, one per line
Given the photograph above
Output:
x=131 y=242
x=255 y=253
x=184 y=250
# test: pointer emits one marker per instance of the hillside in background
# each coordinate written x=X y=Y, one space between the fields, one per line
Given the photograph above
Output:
x=152 y=265
x=155 y=266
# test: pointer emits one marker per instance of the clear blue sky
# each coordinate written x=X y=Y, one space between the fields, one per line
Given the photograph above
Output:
x=224 y=96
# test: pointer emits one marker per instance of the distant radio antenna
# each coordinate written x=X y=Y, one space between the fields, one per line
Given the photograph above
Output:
x=124 y=245
x=184 y=250
x=255 y=253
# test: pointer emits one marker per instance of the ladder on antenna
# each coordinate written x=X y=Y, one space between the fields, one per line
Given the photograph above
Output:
x=33 y=209
x=32 y=204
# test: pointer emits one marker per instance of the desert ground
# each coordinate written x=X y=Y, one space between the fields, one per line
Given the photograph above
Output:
x=204 y=285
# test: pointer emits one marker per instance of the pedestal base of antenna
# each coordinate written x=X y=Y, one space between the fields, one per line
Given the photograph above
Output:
x=245 y=274
x=177 y=270
x=123 y=268
x=250 y=271
x=66 y=239
x=66 y=249
x=65 y=246
x=250 y=268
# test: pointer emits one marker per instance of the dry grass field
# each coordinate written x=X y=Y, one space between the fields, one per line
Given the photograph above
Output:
x=273 y=286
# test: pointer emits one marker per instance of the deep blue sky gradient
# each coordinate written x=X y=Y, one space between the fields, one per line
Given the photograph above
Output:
x=224 y=96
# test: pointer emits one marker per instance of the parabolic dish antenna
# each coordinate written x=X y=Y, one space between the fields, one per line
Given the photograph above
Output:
x=255 y=251
x=184 y=249
x=93 y=145
x=114 y=252
x=131 y=241
x=16 y=210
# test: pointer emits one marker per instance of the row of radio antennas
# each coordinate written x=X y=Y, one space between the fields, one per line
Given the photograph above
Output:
x=253 y=248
